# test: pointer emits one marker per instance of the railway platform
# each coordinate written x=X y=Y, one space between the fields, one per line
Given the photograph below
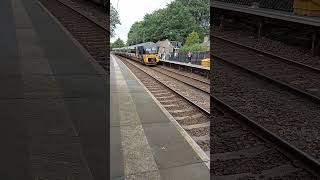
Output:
x=145 y=142
x=268 y=13
x=188 y=67
x=264 y=18
x=53 y=106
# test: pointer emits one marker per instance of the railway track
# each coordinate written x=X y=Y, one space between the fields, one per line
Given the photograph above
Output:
x=268 y=54
x=186 y=74
x=284 y=113
x=295 y=77
x=242 y=149
x=193 y=117
x=194 y=82
x=261 y=86
x=87 y=30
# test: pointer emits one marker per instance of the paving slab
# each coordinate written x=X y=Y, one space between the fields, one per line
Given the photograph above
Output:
x=55 y=103
x=57 y=41
x=116 y=157
x=14 y=151
x=187 y=172
x=83 y=85
x=8 y=44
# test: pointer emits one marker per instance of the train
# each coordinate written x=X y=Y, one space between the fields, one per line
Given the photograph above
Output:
x=145 y=53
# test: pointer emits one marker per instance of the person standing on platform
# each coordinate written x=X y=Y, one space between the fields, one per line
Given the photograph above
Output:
x=189 y=55
x=164 y=56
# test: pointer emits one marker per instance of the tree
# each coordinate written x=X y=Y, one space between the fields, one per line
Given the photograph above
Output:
x=193 y=48
x=117 y=43
x=114 y=20
x=200 y=10
x=134 y=33
x=192 y=38
x=192 y=43
x=174 y=22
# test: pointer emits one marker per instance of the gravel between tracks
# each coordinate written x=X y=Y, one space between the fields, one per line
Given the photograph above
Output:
x=201 y=99
x=303 y=79
x=184 y=113
x=298 y=54
x=93 y=11
x=184 y=78
x=90 y=35
x=287 y=115
x=187 y=74
x=238 y=154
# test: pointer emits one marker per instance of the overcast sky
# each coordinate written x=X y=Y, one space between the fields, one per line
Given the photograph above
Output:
x=131 y=11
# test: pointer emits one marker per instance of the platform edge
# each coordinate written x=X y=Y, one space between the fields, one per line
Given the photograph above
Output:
x=93 y=62
x=203 y=156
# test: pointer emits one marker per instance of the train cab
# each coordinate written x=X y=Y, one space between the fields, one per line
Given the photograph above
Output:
x=148 y=54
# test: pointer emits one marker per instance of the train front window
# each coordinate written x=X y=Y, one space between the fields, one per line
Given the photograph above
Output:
x=152 y=50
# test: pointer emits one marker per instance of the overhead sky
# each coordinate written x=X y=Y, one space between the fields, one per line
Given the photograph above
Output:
x=131 y=11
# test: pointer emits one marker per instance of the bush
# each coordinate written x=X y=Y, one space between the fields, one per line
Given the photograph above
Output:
x=194 y=48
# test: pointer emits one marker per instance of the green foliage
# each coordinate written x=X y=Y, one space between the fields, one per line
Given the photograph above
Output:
x=175 y=22
x=193 y=48
x=114 y=20
x=117 y=43
x=192 y=38
x=200 y=10
x=192 y=44
x=134 y=35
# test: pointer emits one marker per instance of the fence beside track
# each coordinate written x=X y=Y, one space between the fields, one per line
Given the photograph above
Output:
x=284 y=5
x=182 y=57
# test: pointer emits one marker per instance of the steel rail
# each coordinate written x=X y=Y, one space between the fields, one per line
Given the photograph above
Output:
x=272 y=81
x=180 y=95
x=189 y=84
x=290 y=151
x=185 y=75
x=270 y=55
x=88 y=18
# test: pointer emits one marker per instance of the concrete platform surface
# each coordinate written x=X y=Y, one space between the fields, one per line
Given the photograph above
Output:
x=53 y=100
x=144 y=142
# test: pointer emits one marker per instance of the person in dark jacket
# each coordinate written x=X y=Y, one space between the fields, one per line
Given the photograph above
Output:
x=189 y=55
